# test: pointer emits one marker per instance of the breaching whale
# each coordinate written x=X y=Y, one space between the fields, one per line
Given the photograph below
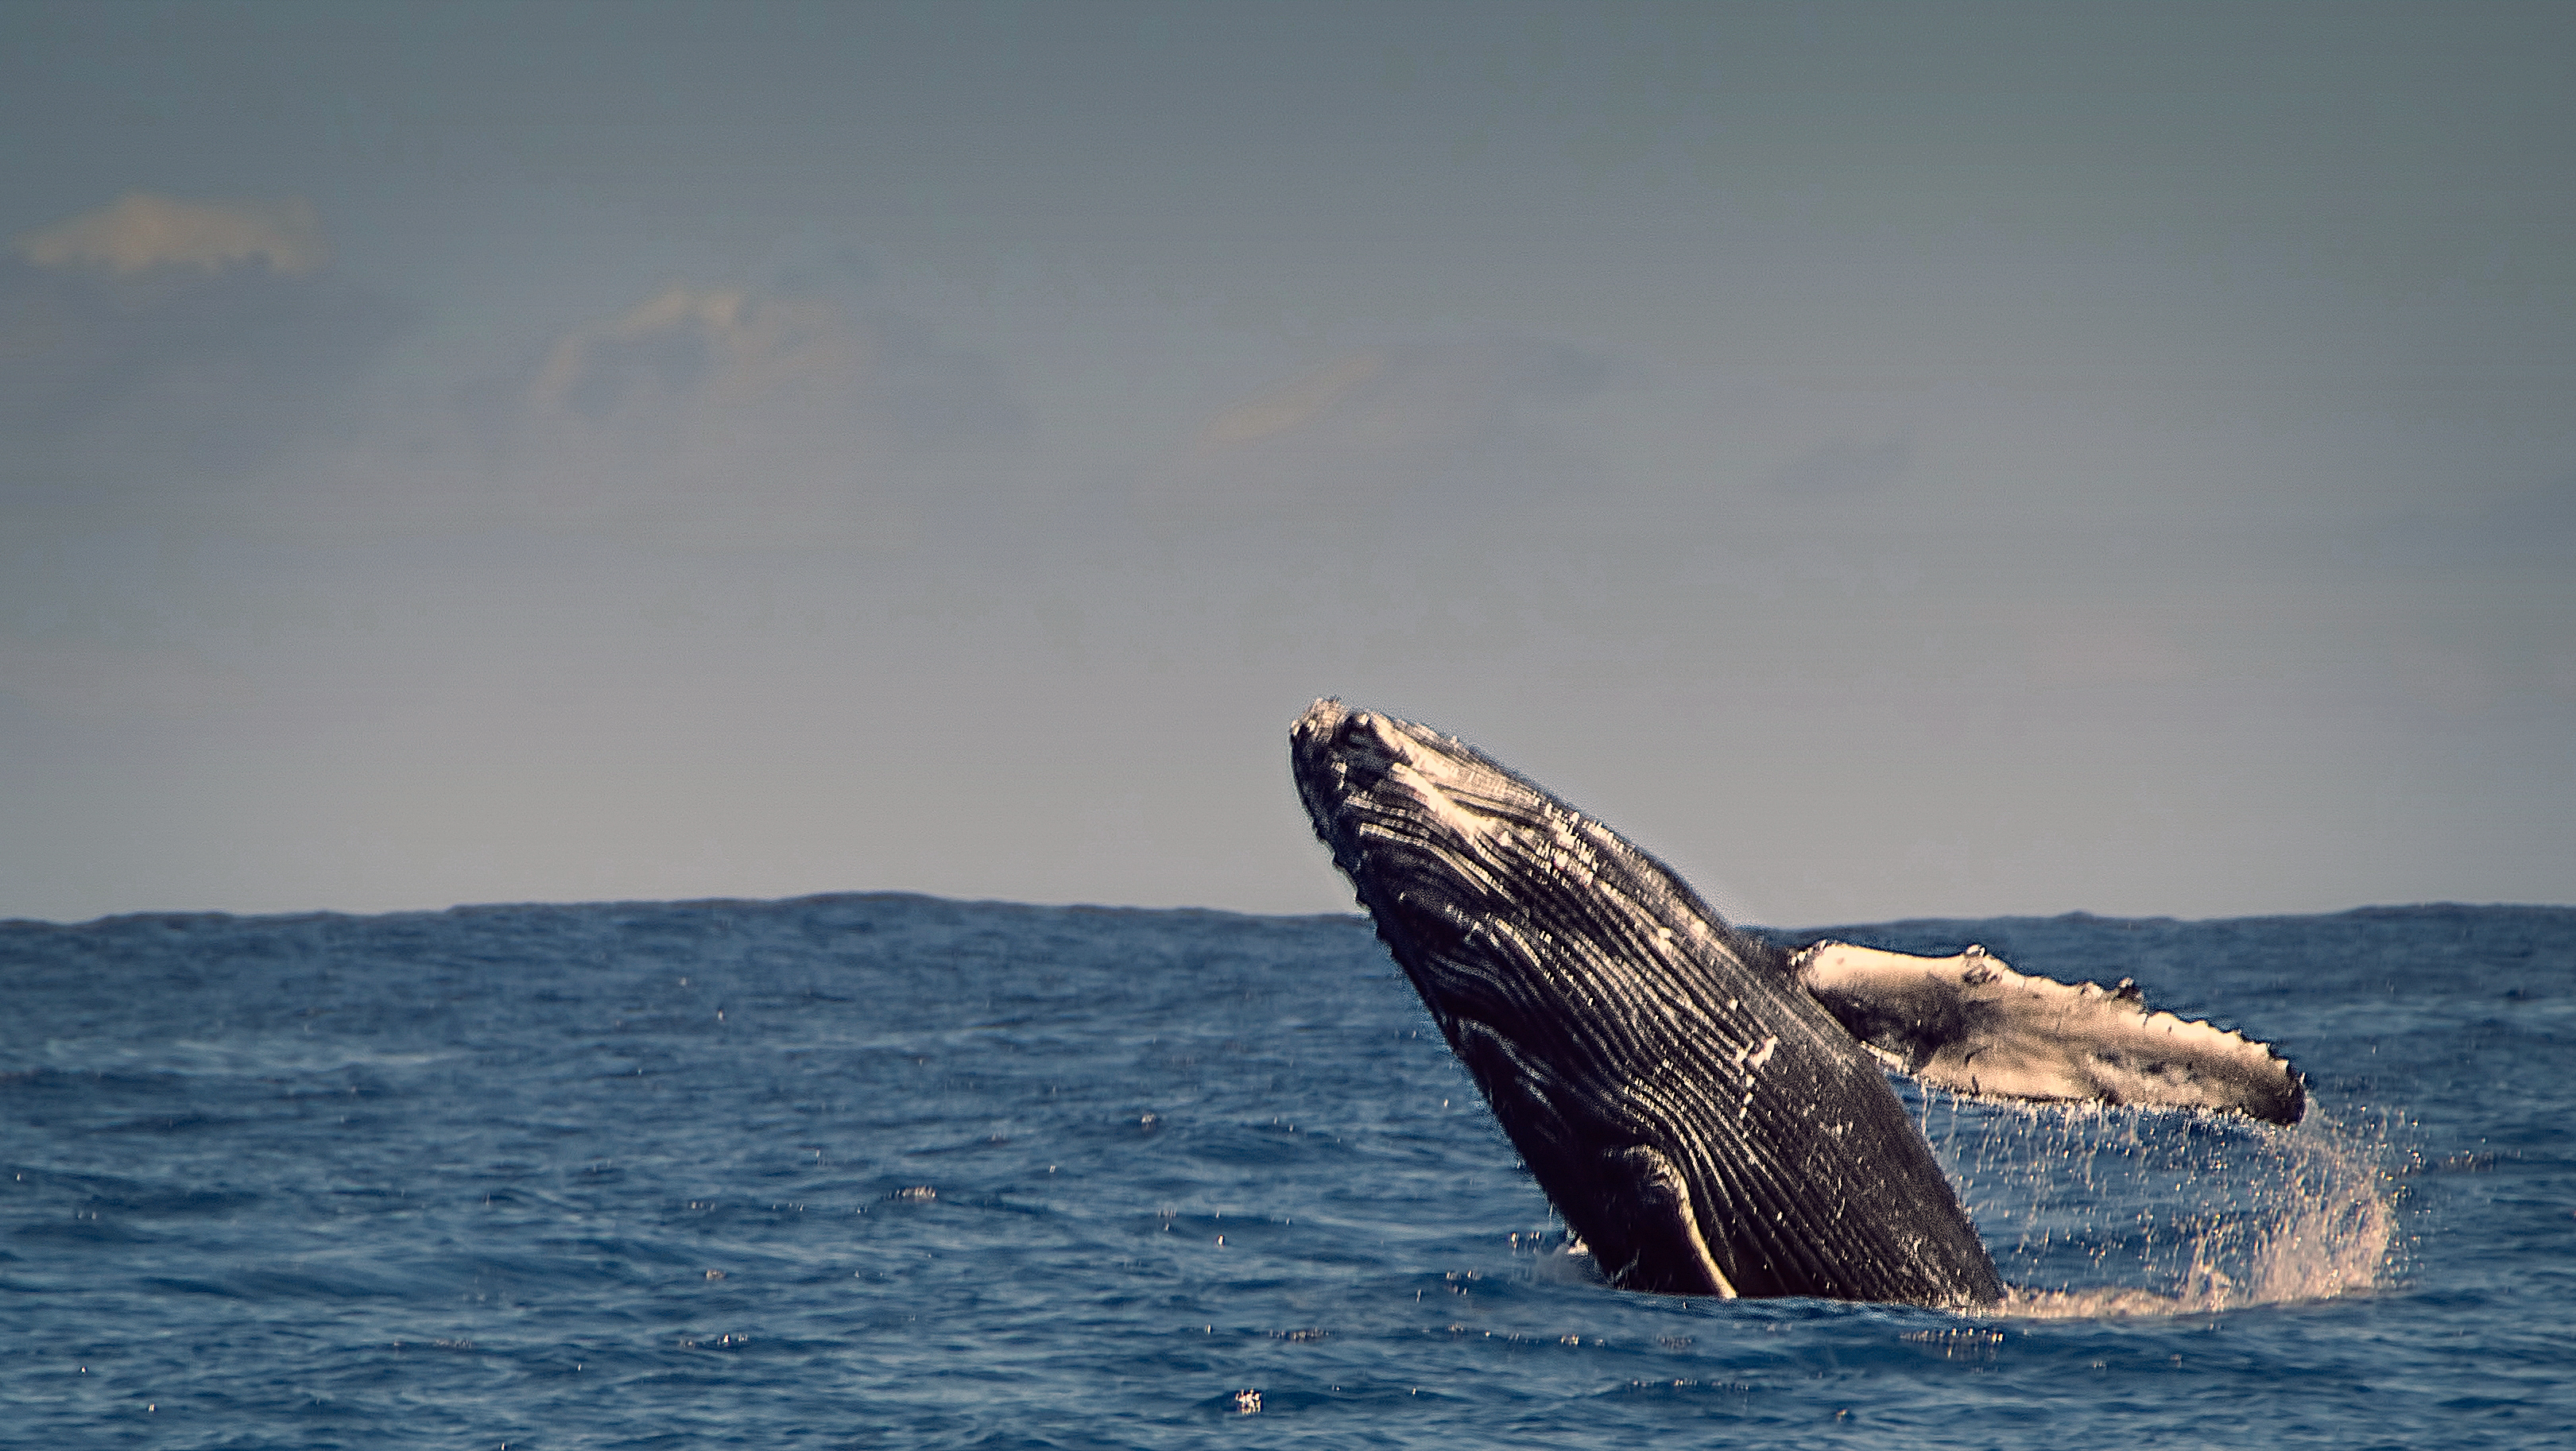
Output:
x=1708 y=1110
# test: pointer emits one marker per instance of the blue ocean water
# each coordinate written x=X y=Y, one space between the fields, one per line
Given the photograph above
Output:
x=887 y=1170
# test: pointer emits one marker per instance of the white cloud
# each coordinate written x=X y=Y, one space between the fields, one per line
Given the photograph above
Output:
x=692 y=355
x=1291 y=404
x=1383 y=425
x=141 y=231
x=687 y=344
x=156 y=339
x=730 y=415
x=1843 y=467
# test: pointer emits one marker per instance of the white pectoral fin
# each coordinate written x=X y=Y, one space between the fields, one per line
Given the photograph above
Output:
x=1973 y=1025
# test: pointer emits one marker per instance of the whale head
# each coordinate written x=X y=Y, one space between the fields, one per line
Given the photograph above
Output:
x=1444 y=844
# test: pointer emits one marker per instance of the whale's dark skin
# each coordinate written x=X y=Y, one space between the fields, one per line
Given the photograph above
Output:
x=1698 y=1119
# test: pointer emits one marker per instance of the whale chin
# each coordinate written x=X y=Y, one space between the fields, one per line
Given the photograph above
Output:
x=1710 y=1114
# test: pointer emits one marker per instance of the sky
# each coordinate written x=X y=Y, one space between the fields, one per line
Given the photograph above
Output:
x=1886 y=460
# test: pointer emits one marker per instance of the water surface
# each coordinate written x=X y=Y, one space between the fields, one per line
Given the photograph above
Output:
x=882 y=1170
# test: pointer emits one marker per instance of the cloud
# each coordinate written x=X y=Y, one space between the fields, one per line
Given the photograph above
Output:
x=691 y=356
x=1845 y=467
x=1381 y=426
x=1291 y=405
x=141 y=231
x=728 y=414
x=157 y=338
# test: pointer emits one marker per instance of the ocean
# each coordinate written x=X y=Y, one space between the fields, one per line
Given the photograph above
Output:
x=877 y=1170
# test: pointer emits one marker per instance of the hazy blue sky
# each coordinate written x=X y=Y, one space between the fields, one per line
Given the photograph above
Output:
x=1943 y=460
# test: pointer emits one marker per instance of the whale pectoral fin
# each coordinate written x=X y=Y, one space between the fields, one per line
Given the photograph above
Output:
x=1972 y=1025
x=1656 y=1247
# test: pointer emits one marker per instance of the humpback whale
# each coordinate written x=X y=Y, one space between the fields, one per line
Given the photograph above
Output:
x=1709 y=1110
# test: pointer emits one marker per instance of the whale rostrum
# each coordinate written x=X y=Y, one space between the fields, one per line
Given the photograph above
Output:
x=1709 y=1112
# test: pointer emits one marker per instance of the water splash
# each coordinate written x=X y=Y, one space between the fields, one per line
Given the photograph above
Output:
x=2095 y=1211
